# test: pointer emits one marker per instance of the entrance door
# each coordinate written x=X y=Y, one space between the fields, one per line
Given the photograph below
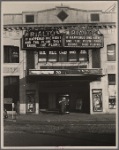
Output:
x=78 y=94
x=80 y=97
x=43 y=100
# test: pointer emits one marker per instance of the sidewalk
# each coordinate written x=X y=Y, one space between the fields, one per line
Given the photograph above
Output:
x=73 y=117
x=61 y=124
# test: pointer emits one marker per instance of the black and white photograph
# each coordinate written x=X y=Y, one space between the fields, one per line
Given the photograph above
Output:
x=59 y=74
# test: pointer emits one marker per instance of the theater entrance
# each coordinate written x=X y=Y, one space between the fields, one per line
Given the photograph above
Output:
x=78 y=92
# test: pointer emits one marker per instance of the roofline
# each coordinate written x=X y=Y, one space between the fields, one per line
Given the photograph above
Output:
x=56 y=8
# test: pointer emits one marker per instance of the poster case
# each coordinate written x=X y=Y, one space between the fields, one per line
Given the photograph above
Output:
x=30 y=101
x=97 y=100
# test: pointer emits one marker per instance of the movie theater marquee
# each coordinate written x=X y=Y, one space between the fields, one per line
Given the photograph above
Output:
x=80 y=37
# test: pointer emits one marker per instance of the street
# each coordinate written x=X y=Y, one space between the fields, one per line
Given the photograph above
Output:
x=82 y=139
x=60 y=130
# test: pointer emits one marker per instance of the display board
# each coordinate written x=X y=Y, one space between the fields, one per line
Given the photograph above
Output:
x=97 y=100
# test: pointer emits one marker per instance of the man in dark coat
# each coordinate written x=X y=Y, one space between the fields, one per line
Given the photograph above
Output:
x=62 y=105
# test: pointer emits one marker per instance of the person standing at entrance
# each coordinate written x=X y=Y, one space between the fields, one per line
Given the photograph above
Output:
x=62 y=105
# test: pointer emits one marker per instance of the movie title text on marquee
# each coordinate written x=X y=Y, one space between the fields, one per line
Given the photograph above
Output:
x=82 y=37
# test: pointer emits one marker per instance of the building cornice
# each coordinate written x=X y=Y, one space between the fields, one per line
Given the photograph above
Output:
x=27 y=26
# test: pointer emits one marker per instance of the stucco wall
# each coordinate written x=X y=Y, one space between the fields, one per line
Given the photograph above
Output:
x=108 y=67
x=50 y=16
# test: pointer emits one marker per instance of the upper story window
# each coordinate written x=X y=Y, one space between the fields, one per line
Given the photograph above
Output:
x=95 y=17
x=52 y=56
x=72 y=56
x=29 y=18
x=111 y=52
x=11 y=54
x=83 y=55
x=42 y=56
x=63 y=56
x=111 y=79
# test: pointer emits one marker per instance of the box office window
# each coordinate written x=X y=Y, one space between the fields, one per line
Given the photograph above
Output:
x=111 y=52
x=111 y=79
x=72 y=55
x=95 y=17
x=29 y=18
x=52 y=56
x=11 y=54
x=62 y=56
x=42 y=56
x=83 y=55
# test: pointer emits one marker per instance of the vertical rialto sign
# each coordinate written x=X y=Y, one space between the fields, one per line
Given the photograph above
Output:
x=81 y=37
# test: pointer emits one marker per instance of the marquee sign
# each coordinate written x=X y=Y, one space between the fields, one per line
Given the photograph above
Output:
x=81 y=37
x=84 y=41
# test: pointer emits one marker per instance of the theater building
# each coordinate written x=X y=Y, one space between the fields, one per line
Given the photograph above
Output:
x=60 y=51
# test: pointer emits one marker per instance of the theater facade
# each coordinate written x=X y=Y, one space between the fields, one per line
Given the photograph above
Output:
x=60 y=51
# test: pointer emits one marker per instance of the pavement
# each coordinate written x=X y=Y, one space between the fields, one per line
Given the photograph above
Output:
x=61 y=124
x=53 y=129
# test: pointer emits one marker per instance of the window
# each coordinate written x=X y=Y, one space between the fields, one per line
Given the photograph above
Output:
x=42 y=56
x=72 y=55
x=111 y=79
x=62 y=56
x=29 y=18
x=111 y=52
x=94 y=17
x=83 y=55
x=62 y=15
x=52 y=56
x=11 y=54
